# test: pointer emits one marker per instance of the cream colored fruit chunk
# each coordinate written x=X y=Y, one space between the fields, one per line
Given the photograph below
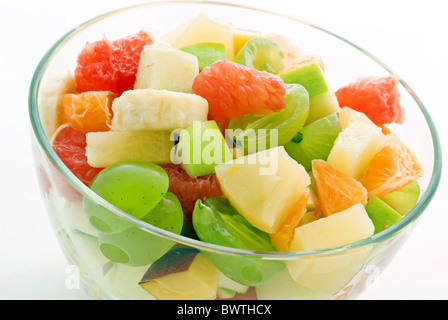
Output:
x=108 y=148
x=49 y=96
x=165 y=68
x=348 y=116
x=263 y=186
x=355 y=147
x=204 y=28
x=330 y=273
x=199 y=282
x=150 y=109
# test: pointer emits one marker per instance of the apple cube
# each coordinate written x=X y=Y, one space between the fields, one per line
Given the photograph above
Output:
x=404 y=199
x=264 y=186
x=202 y=29
x=349 y=115
x=162 y=67
x=355 y=147
x=323 y=101
x=382 y=215
x=201 y=147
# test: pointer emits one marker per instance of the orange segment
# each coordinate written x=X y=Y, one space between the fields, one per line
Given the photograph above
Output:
x=283 y=237
x=336 y=191
x=393 y=167
x=88 y=111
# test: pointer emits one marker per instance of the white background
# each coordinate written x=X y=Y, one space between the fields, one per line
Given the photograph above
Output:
x=409 y=36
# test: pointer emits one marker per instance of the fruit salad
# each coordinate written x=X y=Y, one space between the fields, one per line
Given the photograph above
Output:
x=231 y=138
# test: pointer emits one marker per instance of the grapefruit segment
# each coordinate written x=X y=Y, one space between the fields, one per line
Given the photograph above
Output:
x=377 y=97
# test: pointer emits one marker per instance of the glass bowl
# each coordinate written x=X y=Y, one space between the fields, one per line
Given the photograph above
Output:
x=335 y=273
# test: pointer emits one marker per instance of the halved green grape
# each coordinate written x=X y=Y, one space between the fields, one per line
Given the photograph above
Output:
x=262 y=54
x=216 y=221
x=256 y=133
x=207 y=53
x=134 y=187
x=137 y=247
x=315 y=141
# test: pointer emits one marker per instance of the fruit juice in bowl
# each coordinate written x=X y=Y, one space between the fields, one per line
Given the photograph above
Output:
x=223 y=152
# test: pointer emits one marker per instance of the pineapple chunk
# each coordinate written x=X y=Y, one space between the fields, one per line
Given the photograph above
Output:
x=204 y=28
x=108 y=148
x=198 y=282
x=49 y=99
x=149 y=109
x=330 y=273
x=263 y=186
x=162 y=67
x=355 y=147
x=348 y=116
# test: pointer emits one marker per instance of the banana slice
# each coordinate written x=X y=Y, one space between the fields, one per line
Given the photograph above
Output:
x=162 y=110
x=50 y=92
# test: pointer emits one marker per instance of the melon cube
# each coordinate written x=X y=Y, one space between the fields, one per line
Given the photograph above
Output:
x=355 y=147
x=162 y=67
x=264 y=186
x=202 y=29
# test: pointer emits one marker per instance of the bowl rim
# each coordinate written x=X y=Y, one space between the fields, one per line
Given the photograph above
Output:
x=44 y=143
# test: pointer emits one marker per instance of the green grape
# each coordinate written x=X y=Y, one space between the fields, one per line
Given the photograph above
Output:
x=216 y=221
x=256 y=133
x=134 y=187
x=315 y=141
x=137 y=247
x=207 y=53
x=261 y=54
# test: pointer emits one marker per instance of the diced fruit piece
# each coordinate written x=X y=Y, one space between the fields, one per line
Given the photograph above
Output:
x=336 y=191
x=315 y=141
x=323 y=102
x=355 y=147
x=255 y=133
x=240 y=38
x=110 y=66
x=349 y=115
x=392 y=167
x=329 y=274
x=310 y=216
x=201 y=147
x=162 y=67
x=188 y=190
x=233 y=90
x=262 y=54
x=88 y=111
x=377 y=97
x=49 y=99
x=283 y=287
x=216 y=221
x=291 y=52
x=204 y=28
x=207 y=53
x=149 y=109
x=347 y=226
x=382 y=215
x=282 y=238
x=404 y=199
x=70 y=145
x=182 y=274
x=264 y=186
x=134 y=187
x=104 y=149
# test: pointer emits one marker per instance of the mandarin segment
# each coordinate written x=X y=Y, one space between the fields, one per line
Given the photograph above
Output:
x=336 y=191
x=88 y=111
x=393 y=167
